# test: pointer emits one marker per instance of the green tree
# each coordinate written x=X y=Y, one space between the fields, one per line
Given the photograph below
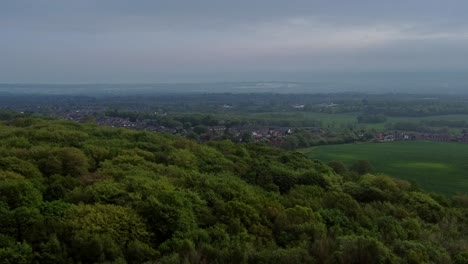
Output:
x=360 y=249
x=17 y=191
x=338 y=167
x=362 y=167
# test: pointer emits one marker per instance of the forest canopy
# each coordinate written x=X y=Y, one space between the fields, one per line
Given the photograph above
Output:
x=79 y=193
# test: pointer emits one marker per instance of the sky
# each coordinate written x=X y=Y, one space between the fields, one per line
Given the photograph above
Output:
x=141 y=41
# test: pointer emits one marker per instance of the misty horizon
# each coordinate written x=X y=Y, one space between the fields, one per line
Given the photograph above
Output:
x=415 y=83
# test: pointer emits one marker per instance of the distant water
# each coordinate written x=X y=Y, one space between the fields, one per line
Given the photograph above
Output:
x=424 y=83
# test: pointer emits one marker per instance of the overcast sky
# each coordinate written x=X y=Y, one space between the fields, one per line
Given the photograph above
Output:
x=86 y=41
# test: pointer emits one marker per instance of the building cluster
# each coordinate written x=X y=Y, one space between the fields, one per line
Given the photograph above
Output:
x=271 y=135
x=403 y=136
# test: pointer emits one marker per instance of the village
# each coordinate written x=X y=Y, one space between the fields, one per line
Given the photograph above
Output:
x=267 y=134
x=405 y=136
x=272 y=135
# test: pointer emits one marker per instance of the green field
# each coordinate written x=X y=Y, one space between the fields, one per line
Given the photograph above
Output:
x=345 y=119
x=434 y=166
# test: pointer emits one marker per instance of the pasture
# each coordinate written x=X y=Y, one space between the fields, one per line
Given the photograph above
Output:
x=434 y=166
x=343 y=120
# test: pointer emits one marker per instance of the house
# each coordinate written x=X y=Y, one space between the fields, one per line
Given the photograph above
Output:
x=379 y=136
x=299 y=106
x=464 y=138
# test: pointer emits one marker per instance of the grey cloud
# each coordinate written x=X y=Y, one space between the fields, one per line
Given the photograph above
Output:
x=123 y=40
x=117 y=13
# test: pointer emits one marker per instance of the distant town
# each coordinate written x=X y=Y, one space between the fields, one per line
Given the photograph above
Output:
x=273 y=135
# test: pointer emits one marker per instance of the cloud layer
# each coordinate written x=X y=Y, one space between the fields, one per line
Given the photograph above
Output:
x=150 y=41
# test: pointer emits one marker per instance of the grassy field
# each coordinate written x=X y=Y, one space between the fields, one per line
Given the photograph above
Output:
x=344 y=119
x=434 y=166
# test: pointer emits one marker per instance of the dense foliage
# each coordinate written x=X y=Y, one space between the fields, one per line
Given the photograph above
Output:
x=72 y=193
x=304 y=139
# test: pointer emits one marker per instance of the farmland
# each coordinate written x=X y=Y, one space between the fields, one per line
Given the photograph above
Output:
x=343 y=120
x=434 y=166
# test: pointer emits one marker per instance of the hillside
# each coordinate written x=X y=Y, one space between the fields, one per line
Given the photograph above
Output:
x=73 y=193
